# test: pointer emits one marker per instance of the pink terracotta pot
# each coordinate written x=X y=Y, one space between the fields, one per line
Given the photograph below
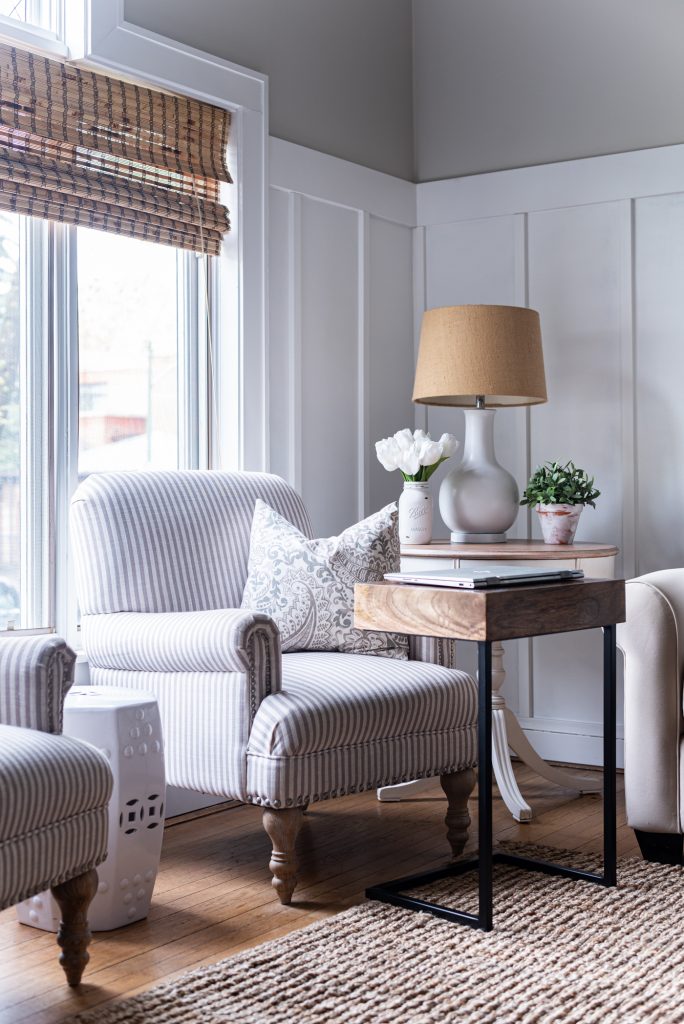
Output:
x=559 y=522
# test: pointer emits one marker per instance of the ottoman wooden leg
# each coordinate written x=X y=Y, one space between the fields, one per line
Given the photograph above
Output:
x=282 y=828
x=458 y=788
x=74 y=897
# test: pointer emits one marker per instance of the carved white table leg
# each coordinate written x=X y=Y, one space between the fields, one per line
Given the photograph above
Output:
x=501 y=759
x=506 y=733
x=404 y=790
x=520 y=745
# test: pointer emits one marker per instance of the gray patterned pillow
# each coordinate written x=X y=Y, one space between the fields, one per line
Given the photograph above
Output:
x=307 y=586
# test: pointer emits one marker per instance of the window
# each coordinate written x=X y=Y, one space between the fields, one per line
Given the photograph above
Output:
x=10 y=420
x=45 y=18
x=140 y=346
x=129 y=336
x=108 y=357
x=104 y=308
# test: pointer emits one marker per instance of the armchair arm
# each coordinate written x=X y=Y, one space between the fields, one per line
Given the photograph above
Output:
x=35 y=675
x=652 y=641
x=220 y=640
x=435 y=649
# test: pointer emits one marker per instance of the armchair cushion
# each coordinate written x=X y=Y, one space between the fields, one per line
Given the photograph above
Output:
x=307 y=586
x=345 y=723
x=44 y=778
x=53 y=811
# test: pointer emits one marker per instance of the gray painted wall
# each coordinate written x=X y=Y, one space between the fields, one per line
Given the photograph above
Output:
x=340 y=70
x=510 y=83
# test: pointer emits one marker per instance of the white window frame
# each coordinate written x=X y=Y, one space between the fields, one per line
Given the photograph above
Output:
x=95 y=34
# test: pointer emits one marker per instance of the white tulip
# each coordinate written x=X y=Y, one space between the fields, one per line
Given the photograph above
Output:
x=420 y=435
x=409 y=462
x=429 y=452
x=404 y=439
x=449 y=445
x=388 y=453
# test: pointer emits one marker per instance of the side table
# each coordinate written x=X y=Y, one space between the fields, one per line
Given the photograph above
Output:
x=487 y=616
x=125 y=726
x=597 y=561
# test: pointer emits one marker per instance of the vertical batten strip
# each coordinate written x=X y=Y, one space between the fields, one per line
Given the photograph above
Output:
x=628 y=329
x=295 y=339
x=419 y=306
x=363 y=360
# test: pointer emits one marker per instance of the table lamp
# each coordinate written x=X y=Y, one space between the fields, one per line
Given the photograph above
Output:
x=479 y=357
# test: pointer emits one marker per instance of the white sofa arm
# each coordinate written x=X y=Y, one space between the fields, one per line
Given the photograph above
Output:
x=652 y=639
x=220 y=640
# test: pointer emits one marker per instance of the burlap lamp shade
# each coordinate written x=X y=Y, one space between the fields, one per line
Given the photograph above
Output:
x=493 y=351
x=479 y=357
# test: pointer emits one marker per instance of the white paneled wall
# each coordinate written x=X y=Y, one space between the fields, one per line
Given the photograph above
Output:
x=659 y=379
x=597 y=246
x=341 y=329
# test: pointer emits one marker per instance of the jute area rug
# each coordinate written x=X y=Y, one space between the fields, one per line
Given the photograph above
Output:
x=561 y=951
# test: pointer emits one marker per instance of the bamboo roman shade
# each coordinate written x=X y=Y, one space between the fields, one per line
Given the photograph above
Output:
x=88 y=149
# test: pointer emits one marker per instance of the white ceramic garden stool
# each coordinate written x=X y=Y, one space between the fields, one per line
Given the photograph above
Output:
x=125 y=726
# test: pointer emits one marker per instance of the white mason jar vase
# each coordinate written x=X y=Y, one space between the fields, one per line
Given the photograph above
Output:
x=415 y=513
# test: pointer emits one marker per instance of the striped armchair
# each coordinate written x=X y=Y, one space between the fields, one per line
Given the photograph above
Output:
x=54 y=793
x=161 y=564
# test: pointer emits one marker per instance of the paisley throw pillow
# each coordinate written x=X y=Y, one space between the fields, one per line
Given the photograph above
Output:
x=307 y=586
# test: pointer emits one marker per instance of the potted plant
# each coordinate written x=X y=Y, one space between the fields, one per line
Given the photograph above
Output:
x=417 y=456
x=559 y=493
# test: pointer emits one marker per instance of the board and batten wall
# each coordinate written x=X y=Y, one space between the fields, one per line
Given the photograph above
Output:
x=340 y=329
x=597 y=246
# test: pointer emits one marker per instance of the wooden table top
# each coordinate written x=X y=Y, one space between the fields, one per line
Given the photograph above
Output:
x=532 y=549
x=502 y=613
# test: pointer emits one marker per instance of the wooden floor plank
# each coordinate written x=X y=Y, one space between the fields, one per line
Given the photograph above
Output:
x=213 y=896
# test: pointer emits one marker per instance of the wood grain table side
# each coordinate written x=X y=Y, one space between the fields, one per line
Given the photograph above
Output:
x=505 y=613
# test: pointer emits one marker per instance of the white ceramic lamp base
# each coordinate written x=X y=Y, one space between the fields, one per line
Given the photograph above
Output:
x=478 y=500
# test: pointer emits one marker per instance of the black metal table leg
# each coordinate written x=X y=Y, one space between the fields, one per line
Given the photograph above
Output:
x=394 y=892
x=484 y=784
x=609 y=757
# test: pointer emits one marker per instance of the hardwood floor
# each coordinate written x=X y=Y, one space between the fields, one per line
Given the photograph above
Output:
x=213 y=895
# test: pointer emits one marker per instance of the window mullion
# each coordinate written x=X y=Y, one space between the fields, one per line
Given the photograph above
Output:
x=192 y=359
x=64 y=375
x=36 y=508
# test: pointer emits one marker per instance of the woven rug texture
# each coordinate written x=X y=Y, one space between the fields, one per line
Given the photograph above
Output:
x=562 y=952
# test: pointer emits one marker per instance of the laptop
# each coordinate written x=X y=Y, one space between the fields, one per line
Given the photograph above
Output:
x=492 y=576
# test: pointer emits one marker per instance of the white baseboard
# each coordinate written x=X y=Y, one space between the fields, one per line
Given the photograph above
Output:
x=571 y=748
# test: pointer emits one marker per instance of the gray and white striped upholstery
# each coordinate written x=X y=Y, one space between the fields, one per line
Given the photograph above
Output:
x=169 y=541
x=161 y=564
x=53 y=811
x=343 y=723
x=54 y=790
x=35 y=674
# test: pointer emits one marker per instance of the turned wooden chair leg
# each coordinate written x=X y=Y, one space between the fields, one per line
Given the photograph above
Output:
x=74 y=898
x=458 y=788
x=282 y=828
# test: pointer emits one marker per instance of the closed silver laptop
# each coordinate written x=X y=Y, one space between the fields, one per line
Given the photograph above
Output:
x=491 y=576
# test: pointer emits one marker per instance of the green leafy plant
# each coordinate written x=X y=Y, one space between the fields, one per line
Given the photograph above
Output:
x=554 y=484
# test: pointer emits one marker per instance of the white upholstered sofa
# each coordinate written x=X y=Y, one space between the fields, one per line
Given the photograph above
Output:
x=652 y=641
x=161 y=563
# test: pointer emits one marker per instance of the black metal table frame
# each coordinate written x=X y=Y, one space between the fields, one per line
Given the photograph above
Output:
x=393 y=892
